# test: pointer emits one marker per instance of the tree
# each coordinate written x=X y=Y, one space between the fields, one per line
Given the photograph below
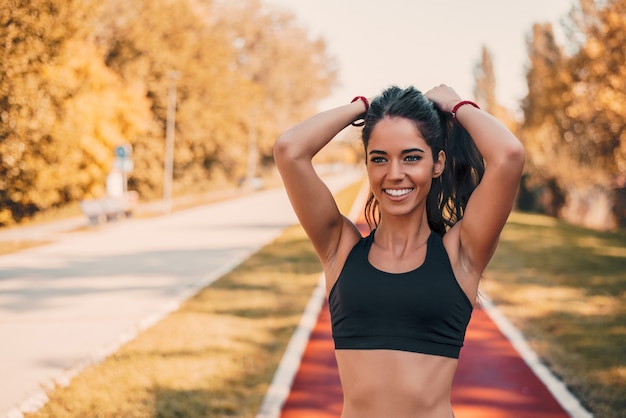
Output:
x=574 y=111
x=595 y=130
x=238 y=65
x=485 y=89
x=276 y=58
x=485 y=82
x=144 y=41
x=53 y=149
x=64 y=112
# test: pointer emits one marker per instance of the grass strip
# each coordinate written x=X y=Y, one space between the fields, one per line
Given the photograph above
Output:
x=564 y=287
x=213 y=357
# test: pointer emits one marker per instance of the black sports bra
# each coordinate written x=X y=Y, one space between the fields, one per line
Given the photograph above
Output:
x=422 y=311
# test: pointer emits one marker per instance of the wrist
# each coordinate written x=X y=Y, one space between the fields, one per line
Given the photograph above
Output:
x=460 y=104
x=361 y=99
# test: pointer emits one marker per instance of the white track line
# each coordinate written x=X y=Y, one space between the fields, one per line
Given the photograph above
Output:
x=558 y=389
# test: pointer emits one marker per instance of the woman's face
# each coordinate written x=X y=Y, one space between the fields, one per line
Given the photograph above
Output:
x=400 y=166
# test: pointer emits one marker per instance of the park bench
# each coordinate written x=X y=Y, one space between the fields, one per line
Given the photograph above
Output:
x=109 y=208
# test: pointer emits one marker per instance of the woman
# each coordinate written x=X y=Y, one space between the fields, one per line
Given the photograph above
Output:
x=443 y=176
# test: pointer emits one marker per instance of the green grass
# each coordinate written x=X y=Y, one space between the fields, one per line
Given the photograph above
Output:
x=213 y=357
x=564 y=287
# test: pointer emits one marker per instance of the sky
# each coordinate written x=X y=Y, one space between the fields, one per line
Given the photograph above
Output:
x=425 y=43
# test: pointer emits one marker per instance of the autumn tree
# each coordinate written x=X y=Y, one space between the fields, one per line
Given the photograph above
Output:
x=83 y=76
x=61 y=111
x=286 y=72
x=485 y=89
x=574 y=113
x=548 y=85
x=594 y=117
x=485 y=82
x=238 y=64
x=146 y=41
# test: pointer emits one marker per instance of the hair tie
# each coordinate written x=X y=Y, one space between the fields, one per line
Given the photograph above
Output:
x=367 y=107
x=459 y=104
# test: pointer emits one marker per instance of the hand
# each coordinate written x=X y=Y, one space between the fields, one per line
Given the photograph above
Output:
x=444 y=97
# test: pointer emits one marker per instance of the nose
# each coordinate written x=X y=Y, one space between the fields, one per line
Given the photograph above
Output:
x=396 y=171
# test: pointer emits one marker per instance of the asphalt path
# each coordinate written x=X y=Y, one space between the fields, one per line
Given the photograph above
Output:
x=76 y=300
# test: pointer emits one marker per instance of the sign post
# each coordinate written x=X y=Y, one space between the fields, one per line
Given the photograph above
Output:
x=169 y=141
x=124 y=163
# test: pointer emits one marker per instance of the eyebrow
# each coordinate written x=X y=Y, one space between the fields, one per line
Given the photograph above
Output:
x=406 y=151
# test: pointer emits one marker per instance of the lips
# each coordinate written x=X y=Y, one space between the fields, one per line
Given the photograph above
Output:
x=398 y=192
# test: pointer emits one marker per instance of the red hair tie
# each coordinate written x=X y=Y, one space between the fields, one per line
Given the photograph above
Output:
x=367 y=107
x=459 y=104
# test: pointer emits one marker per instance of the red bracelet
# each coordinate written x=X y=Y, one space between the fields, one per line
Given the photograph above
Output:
x=367 y=107
x=461 y=103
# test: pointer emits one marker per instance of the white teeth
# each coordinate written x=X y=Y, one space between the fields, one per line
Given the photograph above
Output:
x=396 y=193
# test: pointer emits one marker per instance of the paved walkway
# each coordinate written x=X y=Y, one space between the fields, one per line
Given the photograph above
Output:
x=493 y=380
x=77 y=299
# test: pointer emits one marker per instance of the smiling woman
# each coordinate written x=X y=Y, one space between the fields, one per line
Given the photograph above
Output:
x=400 y=176
x=401 y=298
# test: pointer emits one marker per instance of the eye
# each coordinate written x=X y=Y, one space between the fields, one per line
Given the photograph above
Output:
x=378 y=159
x=412 y=158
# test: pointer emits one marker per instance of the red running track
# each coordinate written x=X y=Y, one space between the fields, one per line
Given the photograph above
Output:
x=492 y=380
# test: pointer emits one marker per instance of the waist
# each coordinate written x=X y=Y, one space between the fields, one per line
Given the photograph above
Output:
x=395 y=383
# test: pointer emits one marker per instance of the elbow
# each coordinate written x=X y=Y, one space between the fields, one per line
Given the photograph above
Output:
x=510 y=159
x=514 y=156
x=287 y=150
x=281 y=148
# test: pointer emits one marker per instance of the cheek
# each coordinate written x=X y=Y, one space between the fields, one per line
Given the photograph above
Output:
x=372 y=169
x=372 y=177
x=375 y=177
x=422 y=173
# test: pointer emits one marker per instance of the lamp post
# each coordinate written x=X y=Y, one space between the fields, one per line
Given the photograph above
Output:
x=252 y=148
x=169 y=141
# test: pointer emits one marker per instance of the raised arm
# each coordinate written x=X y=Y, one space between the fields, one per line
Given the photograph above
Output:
x=492 y=201
x=312 y=202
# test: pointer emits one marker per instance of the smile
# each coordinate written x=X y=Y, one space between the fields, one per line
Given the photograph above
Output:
x=397 y=192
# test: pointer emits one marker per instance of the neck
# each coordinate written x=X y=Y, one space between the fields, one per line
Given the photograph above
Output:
x=394 y=231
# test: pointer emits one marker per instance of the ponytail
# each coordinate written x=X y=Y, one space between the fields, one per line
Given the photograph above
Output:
x=464 y=169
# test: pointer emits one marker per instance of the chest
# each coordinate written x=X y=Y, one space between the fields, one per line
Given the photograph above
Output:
x=385 y=261
x=425 y=292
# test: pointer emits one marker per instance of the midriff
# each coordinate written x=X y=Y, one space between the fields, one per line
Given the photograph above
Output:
x=398 y=384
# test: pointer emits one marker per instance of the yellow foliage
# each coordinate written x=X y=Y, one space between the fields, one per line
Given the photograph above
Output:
x=576 y=104
x=83 y=76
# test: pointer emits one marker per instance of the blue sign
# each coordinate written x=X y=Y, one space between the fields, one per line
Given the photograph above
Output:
x=123 y=151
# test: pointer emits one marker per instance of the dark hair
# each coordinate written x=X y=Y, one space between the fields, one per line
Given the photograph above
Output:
x=464 y=168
